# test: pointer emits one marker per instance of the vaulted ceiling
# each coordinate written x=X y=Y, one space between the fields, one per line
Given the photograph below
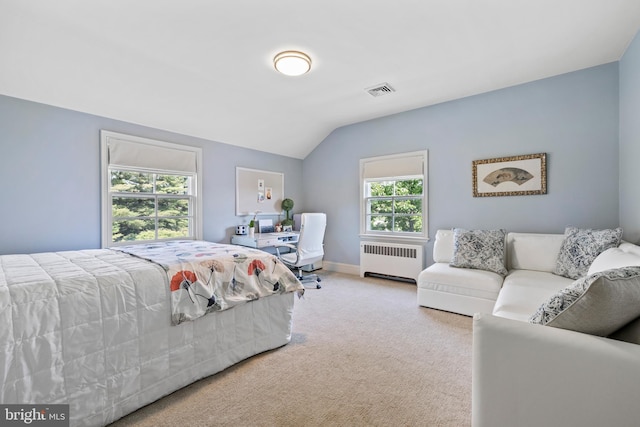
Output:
x=204 y=67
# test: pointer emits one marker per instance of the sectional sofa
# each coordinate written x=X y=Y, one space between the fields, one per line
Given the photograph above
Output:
x=547 y=349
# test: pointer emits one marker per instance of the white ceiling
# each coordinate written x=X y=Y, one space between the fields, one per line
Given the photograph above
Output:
x=203 y=67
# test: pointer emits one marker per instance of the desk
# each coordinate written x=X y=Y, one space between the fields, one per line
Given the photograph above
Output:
x=265 y=240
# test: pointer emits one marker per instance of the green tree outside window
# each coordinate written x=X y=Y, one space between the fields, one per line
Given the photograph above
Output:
x=395 y=205
x=150 y=206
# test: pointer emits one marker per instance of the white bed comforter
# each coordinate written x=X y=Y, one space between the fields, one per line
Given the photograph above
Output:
x=92 y=329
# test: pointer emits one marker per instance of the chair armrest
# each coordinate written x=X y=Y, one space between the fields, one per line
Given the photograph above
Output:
x=287 y=245
x=277 y=246
x=531 y=375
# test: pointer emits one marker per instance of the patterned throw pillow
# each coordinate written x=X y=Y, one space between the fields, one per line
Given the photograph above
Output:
x=581 y=247
x=480 y=249
x=599 y=304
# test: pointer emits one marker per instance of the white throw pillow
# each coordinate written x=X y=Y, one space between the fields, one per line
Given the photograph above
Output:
x=599 y=304
x=581 y=246
x=443 y=246
x=613 y=258
x=479 y=249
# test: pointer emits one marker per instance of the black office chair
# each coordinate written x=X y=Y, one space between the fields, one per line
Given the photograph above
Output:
x=309 y=249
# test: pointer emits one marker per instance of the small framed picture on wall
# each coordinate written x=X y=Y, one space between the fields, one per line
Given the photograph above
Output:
x=510 y=176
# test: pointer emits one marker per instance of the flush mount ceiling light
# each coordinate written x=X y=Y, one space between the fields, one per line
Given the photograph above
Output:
x=292 y=63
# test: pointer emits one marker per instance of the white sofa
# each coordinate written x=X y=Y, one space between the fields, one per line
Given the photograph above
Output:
x=531 y=375
x=529 y=257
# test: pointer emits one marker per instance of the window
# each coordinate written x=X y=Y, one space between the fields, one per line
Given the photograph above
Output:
x=394 y=195
x=394 y=205
x=150 y=190
x=150 y=206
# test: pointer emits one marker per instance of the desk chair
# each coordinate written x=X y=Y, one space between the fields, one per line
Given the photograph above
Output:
x=309 y=249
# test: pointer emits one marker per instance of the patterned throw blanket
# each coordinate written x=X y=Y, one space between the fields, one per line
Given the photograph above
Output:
x=206 y=277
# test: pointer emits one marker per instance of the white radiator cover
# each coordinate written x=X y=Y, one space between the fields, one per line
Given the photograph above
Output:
x=391 y=259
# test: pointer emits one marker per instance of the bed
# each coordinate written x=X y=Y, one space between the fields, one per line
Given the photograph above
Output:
x=103 y=329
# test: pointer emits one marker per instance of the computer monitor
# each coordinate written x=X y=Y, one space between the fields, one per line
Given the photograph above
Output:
x=265 y=226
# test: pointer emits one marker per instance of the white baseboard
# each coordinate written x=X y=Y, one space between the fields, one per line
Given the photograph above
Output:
x=341 y=268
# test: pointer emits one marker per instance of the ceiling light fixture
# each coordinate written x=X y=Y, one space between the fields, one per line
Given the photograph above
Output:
x=292 y=63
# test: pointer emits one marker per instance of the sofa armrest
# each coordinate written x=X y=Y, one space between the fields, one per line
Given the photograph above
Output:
x=533 y=375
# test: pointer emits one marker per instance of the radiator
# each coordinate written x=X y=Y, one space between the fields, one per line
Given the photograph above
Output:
x=391 y=259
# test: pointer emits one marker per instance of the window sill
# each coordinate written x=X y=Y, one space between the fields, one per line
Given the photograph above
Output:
x=397 y=238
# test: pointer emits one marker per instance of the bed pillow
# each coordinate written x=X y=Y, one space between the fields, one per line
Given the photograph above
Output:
x=580 y=247
x=599 y=304
x=479 y=249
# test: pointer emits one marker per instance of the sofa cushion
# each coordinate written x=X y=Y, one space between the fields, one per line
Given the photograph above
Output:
x=479 y=249
x=460 y=281
x=598 y=304
x=523 y=291
x=614 y=258
x=533 y=251
x=581 y=246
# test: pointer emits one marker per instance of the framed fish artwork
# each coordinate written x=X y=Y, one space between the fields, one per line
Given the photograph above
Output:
x=510 y=176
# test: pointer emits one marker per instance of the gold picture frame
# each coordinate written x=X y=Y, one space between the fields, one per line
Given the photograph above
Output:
x=510 y=176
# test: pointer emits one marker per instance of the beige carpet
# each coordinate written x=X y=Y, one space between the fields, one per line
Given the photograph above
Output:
x=363 y=353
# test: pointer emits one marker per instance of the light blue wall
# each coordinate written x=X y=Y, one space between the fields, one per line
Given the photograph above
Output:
x=630 y=141
x=50 y=166
x=573 y=118
x=50 y=174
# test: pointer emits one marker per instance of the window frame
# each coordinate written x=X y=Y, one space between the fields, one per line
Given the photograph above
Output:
x=395 y=176
x=195 y=211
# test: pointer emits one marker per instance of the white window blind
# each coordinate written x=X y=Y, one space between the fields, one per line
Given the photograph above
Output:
x=411 y=165
x=125 y=155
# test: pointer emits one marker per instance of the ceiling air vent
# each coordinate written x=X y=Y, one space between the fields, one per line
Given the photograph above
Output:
x=380 y=89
